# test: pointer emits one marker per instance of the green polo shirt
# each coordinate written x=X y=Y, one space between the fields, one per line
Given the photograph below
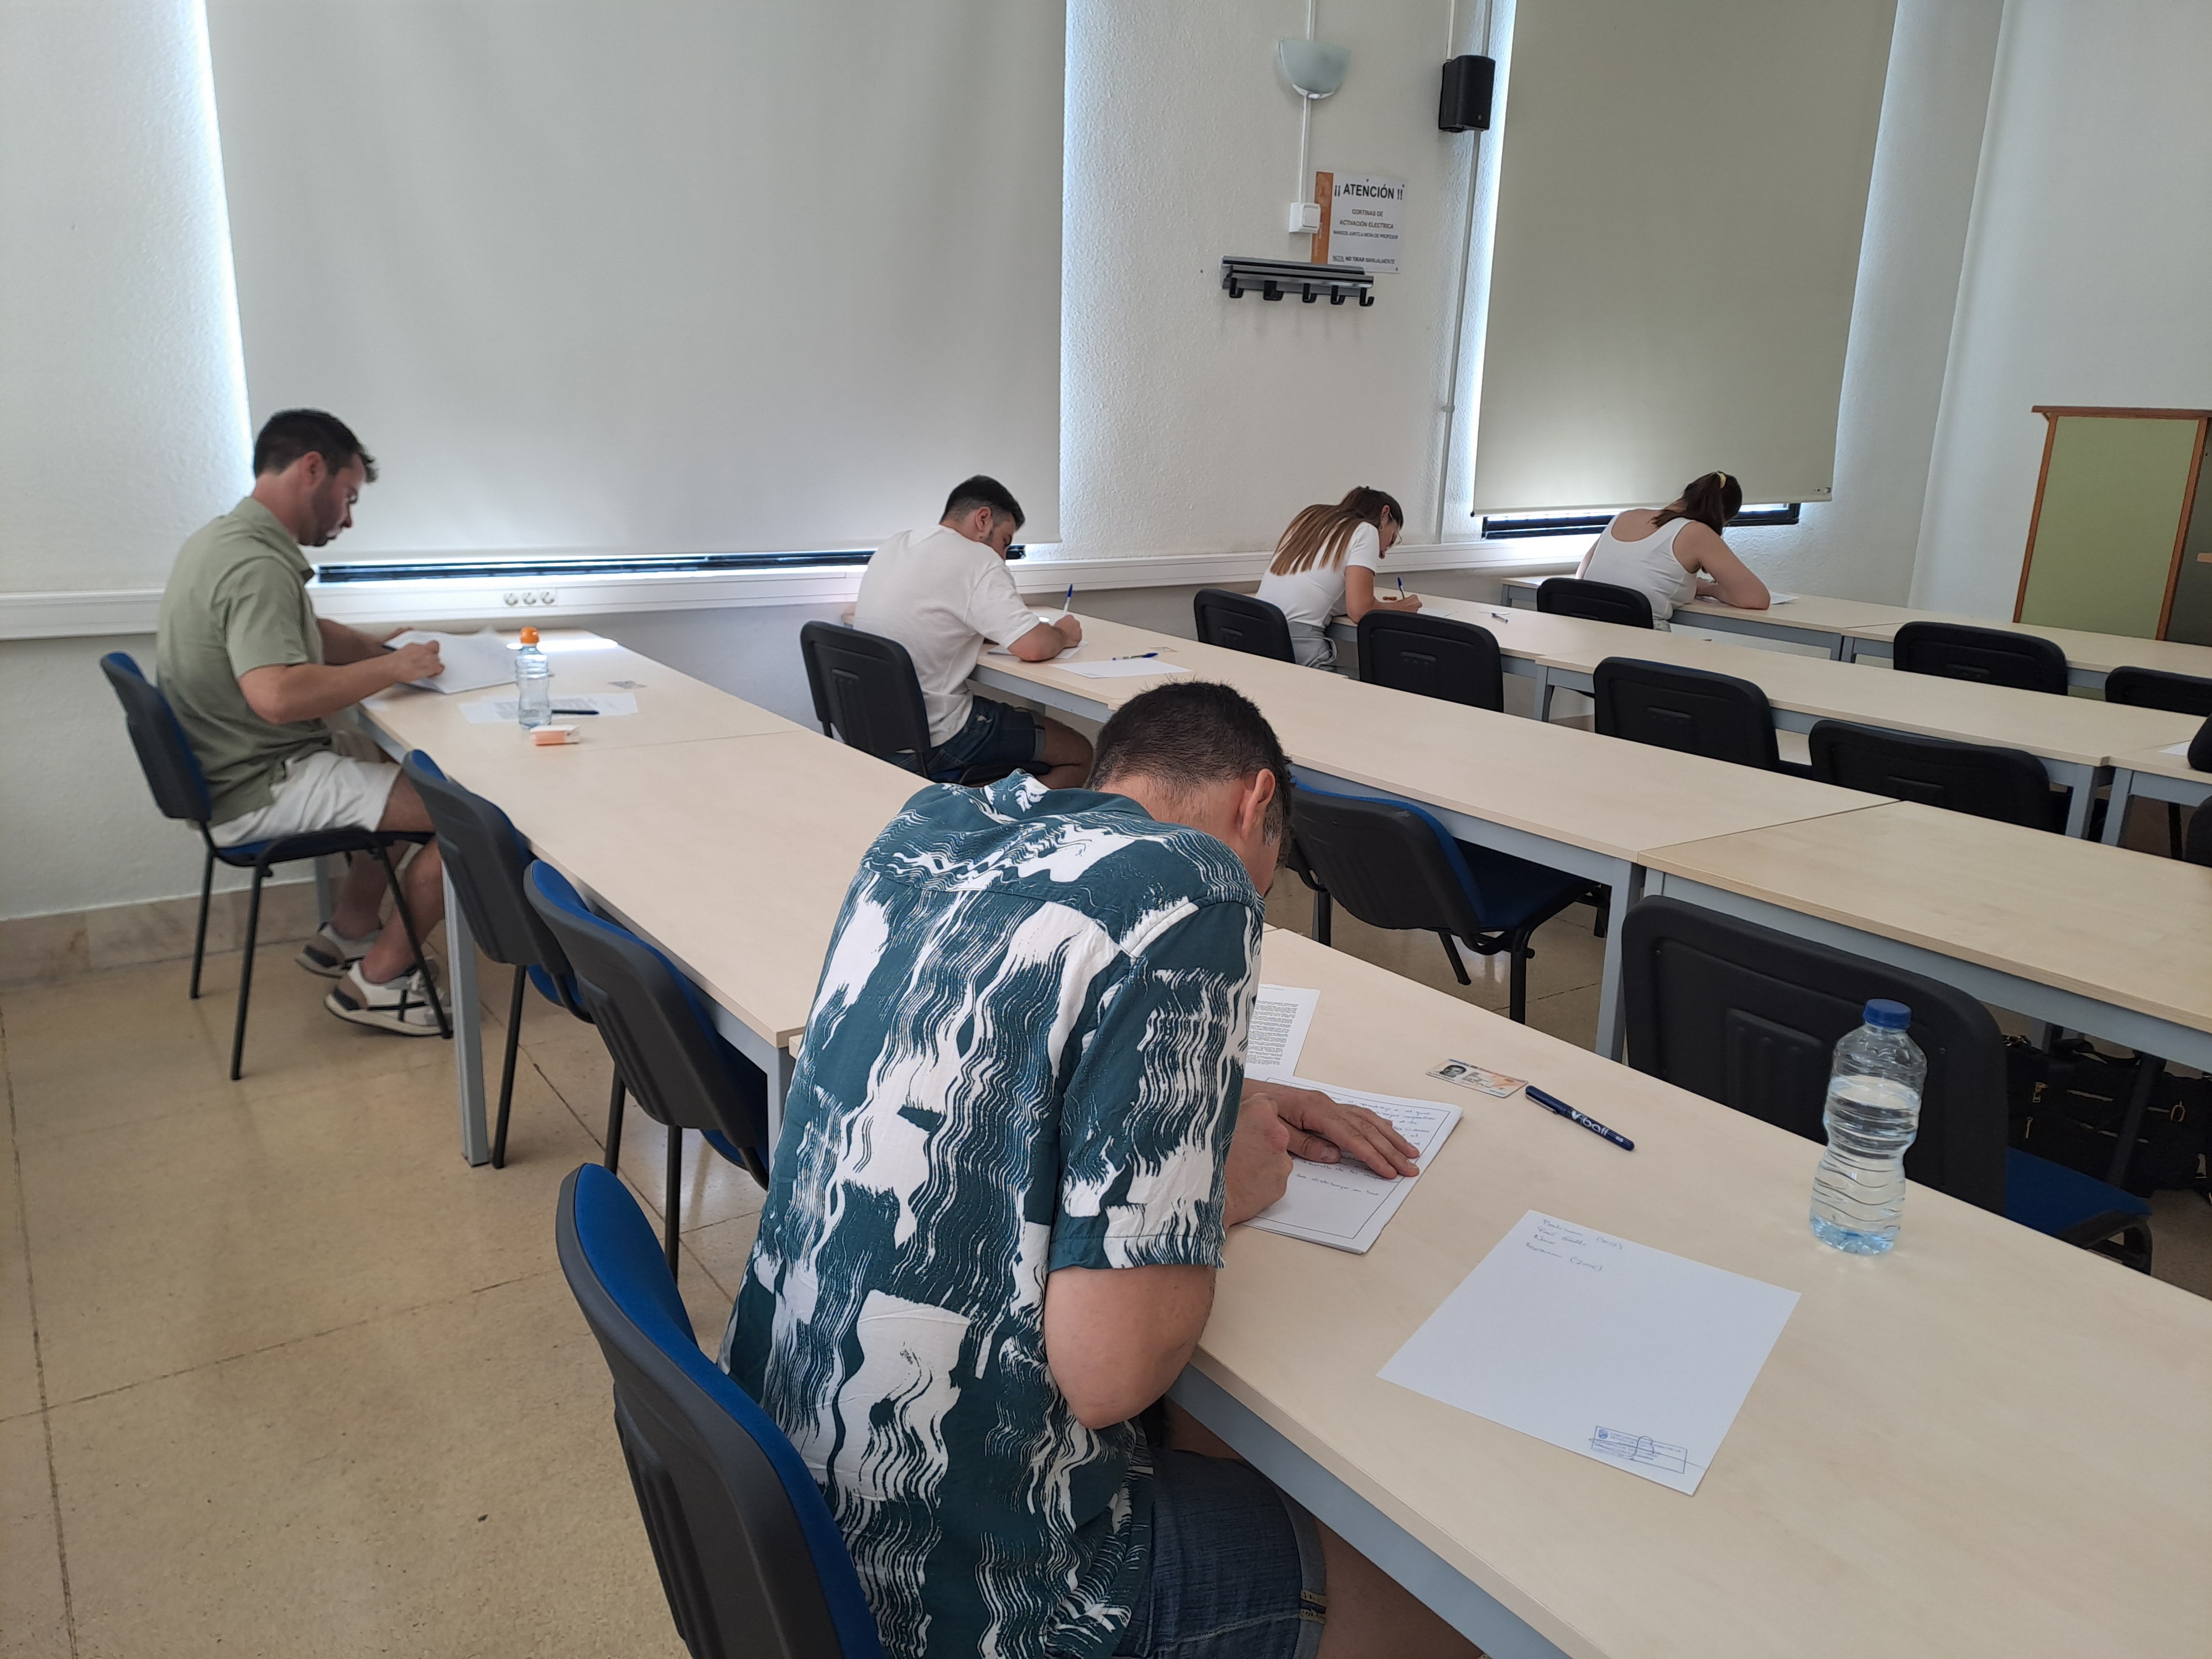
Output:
x=237 y=600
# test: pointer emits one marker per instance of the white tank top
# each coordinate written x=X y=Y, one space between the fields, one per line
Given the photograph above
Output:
x=1649 y=566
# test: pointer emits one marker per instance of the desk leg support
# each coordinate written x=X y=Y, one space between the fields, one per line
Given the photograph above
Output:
x=467 y=1015
x=776 y=1065
x=1627 y=884
x=2083 y=782
x=1454 y=1598
x=1543 y=692
x=2116 y=809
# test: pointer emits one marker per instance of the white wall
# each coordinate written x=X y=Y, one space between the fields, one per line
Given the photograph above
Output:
x=2088 y=267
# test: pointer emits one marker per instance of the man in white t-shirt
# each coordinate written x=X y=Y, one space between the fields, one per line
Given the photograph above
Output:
x=945 y=595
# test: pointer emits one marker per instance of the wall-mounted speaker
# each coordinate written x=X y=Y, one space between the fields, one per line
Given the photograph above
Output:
x=1465 y=105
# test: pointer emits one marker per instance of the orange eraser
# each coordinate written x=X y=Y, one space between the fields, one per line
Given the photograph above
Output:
x=546 y=737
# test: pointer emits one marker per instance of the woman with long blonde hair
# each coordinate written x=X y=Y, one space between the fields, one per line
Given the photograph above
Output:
x=1327 y=564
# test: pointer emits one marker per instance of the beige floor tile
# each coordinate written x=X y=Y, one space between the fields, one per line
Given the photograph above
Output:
x=33 y=1609
x=123 y=935
x=723 y=1250
x=201 y=1236
x=2181 y=1232
x=38 y=948
x=1571 y=1016
x=19 y=1360
x=444 y=1481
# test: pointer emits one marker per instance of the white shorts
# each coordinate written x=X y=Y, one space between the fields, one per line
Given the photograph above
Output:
x=326 y=790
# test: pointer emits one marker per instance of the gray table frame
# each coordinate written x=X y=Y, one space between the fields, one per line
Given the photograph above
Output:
x=2067 y=1010
x=2128 y=785
x=1624 y=875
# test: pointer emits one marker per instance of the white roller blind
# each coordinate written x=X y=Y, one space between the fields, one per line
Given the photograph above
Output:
x=1681 y=191
x=652 y=275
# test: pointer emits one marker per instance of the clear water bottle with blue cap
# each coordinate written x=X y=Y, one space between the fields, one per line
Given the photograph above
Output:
x=1873 y=1114
x=533 y=682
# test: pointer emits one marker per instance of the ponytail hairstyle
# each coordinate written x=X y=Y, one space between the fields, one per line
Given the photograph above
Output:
x=1321 y=534
x=1712 y=499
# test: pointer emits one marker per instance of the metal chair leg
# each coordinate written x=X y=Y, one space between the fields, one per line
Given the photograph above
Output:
x=675 y=1195
x=1321 y=918
x=1517 y=999
x=613 y=1158
x=507 y=1070
x=1452 y=951
x=2174 y=826
x=199 y=934
x=414 y=941
x=2148 y=1069
x=245 y=971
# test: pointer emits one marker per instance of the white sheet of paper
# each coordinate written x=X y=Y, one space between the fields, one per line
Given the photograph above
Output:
x=500 y=711
x=1281 y=1016
x=473 y=661
x=1126 y=668
x=1346 y=1206
x=1618 y=1352
x=2181 y=748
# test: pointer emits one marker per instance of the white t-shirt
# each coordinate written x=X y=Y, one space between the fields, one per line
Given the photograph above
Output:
x=1315 y=596
x=944 y=598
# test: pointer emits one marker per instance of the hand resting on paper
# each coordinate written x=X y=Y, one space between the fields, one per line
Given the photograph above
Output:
x=1323 y=1130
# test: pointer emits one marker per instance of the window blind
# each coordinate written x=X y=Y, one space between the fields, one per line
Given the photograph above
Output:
x=1681 y=192
x=688 y=276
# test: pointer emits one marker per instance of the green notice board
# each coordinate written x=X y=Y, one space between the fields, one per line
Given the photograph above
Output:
x=2110 y=517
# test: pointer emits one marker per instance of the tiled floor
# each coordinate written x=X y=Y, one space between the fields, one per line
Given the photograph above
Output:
x=279 y=1375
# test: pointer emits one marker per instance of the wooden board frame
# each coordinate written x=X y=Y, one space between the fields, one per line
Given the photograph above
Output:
x=2053 y=413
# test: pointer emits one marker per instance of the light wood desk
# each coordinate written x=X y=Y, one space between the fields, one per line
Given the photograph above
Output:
x=2153 y=774
x=2075 y=738
x=1566 y=798
x=1984 y=1442
x=2092 y=938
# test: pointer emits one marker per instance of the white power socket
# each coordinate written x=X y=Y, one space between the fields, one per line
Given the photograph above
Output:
x=1305 y=218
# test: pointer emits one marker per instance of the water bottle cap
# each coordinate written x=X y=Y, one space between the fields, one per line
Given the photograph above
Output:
x=1888 y=1016
x=530 y=636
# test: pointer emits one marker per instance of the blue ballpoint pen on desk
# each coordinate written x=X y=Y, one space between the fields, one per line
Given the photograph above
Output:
x=1553 y=1103
x=1135 y=656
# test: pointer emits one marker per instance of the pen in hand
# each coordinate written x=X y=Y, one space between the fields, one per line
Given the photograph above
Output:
x=1553 y=1103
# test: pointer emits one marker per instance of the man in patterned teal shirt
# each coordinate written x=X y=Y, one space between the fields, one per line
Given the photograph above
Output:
x=1010 y=1152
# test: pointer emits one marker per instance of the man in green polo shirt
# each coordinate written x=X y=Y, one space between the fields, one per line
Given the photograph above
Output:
x=252 y=673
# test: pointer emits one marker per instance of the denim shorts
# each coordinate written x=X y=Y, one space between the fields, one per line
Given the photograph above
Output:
x=1236 y=1568
x=997 y=734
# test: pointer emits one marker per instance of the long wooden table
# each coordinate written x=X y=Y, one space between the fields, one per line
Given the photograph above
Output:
x=1566 y=798
x=1984 y=1442
x=2075 y=738
x=2089 y=938
x=1849 y=628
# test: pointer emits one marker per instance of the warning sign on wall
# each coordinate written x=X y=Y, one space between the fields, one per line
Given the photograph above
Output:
x=1360 y=216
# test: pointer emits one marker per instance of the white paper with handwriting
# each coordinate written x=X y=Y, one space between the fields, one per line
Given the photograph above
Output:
x=1618 y=1352
x=1345 y=1205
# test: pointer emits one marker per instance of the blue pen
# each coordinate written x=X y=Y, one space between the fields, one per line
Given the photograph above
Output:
x=1401 y=587
x=1136 y=656
x=1070 y=603
x=1501 y=616
x=1553 y=1103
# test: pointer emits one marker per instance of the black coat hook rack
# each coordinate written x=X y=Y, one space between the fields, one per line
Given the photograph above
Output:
x=1276 y=279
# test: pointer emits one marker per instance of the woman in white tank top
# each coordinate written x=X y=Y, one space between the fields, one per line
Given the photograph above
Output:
x=1676 y=554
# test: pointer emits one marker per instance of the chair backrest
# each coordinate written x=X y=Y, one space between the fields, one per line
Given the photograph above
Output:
x=664 y=1044
x=1237 y=621
x=1385 y=860
x=2153 y=687
x=487 y=859
x=2197 y=847
x=750 y=1557
x=1990 y=655
x=865 y=692
x=1431 y=657
x=1606 y=602
x=172 y=771
x=1750 y=1017
x=1717 y=716
x=2007 y=784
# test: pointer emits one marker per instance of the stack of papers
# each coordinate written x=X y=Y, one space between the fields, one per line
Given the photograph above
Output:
x=1623 y=1353
x=472 y=661
x=1346 y=1206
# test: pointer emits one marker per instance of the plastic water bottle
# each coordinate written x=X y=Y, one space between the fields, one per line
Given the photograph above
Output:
x=533 y=682
x=1873 y=1114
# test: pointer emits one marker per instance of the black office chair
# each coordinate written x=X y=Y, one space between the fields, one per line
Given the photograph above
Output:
x=1689 y=710
x=1991 y=655
x=1750 y=1017
x=1237 y=621
x=180 y=790
x=1432 y=657
x=2009 y=785
x=2197 y=847
x=750 y=1559
x=1391 y=864
x=2179 y=693
x=487 y=859
x=1604 y=602
x=867 y=696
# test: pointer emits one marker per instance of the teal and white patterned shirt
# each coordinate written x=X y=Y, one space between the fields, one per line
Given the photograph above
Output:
x=1025 y=1055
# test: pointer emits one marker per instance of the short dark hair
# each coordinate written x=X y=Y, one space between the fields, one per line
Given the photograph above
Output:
x=291 y=432
x=980 y=491
x=1190 y=733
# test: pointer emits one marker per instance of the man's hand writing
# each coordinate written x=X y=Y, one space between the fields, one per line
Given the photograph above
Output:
x=1259 y=1167
x=418 y=662
x=1322 y=1129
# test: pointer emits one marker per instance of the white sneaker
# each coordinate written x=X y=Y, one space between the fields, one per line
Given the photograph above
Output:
x=330 y=952
x=401 y=1005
